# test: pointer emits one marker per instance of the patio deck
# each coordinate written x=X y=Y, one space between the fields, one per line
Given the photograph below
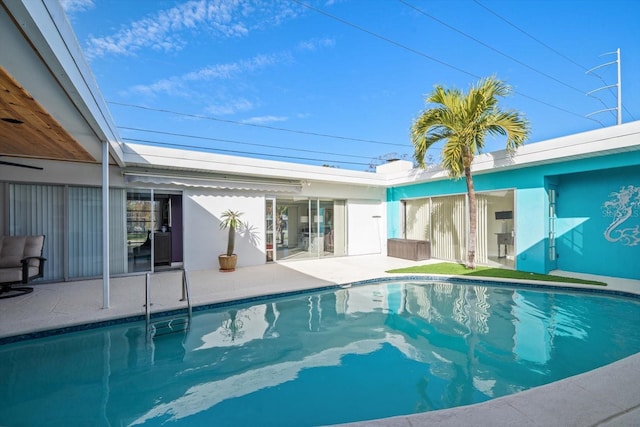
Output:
x=608 y=396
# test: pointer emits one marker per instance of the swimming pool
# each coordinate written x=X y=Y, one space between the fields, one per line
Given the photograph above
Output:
x=332 y=356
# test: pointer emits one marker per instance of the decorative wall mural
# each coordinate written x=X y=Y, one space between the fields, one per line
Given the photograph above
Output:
x=623 y=205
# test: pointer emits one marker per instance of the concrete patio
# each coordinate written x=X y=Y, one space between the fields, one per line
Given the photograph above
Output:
x=609 y=396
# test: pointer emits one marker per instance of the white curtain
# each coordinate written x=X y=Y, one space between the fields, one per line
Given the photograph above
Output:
x=39 y=209
x=339 y=228
x=85 y=232
x=73 y=231
x=417 y=219
x=482 y=249
x=118 y=231
x=448 y=228
x=442 y=221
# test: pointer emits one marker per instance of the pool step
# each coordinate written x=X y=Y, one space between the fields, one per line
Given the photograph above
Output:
x=169 y=326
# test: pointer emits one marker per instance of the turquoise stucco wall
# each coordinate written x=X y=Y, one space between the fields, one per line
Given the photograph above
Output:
x=531 y=229
x=531 y=201
x=586 y=208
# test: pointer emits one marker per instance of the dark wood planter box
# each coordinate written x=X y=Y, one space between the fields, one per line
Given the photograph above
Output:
x=415 y=250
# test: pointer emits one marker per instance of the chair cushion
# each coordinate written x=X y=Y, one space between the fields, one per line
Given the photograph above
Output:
x=12 y=251
x=15 y=248
x=8 y=275
x=33 y=247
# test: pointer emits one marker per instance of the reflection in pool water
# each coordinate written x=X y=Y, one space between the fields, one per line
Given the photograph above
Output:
x=320 y=358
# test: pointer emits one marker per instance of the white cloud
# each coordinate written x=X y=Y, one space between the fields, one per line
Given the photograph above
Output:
x=233 y=70
x=71 y=6
x=315 y=44
x=161 y=30
x=171 y=86
x=232 y=107
x=266 y=119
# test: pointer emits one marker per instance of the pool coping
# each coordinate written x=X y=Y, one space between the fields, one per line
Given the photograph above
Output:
x=492 y=282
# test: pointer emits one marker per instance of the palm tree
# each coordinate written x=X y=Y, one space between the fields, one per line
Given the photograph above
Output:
x=462 y=121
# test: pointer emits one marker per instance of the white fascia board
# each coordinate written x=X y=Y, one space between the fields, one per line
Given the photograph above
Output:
x=161 y=158
x=600 y=142
x=45 y=24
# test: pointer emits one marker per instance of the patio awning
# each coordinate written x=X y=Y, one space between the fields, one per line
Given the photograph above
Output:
x=223 y=183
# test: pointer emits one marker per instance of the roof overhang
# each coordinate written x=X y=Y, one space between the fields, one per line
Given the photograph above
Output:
x=28 y=130
x=53 y=106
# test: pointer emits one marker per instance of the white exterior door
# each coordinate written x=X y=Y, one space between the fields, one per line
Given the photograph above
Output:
x=366 y=227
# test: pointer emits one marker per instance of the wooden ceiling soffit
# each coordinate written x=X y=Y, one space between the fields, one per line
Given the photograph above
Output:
x=28 y=130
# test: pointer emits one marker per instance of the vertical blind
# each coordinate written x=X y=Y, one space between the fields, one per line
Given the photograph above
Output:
x=448 y=227
x=71 y=220
x=118 y=257
x=39 y=209
x=85 y=232
x=417 y=219
x=443 y=221
x=482 y=245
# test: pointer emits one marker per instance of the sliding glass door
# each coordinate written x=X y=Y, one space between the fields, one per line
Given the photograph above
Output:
x=443 y=221
x=141 y=221
x=308 y=228
x=153 y=230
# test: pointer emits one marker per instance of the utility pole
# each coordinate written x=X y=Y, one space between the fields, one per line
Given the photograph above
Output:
x=618 y=85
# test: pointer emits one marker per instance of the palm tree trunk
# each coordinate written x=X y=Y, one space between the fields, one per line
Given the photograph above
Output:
x=231 y=242
x=473 y=219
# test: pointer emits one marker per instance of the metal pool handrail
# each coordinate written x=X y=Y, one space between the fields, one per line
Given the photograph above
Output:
x=186 y=295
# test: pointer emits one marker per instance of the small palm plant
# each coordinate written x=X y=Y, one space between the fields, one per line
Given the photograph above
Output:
x=231 y=220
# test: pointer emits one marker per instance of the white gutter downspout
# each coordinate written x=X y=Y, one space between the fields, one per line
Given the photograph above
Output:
x=105 y=225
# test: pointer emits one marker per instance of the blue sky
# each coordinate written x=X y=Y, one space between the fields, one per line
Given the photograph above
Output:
x=339 y=82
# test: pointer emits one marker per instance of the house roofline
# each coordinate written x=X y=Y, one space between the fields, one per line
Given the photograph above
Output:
x=610 y=140
x=600 y=142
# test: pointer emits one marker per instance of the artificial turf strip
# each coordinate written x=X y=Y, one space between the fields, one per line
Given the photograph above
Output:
x=451 y=268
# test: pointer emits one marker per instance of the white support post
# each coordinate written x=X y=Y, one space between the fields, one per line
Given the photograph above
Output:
x=105 y=226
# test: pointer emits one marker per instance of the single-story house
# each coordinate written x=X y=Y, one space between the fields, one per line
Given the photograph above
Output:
x=112 y=208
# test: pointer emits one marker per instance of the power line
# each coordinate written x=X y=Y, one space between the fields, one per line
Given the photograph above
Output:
x=417 y=52
x=388 y=40
x=207 y=138
x=548 y=47
x=505 y=55
x=489 y=46
x=222 y=150
x=235 y=122
x=529 y=35
x=362 y=164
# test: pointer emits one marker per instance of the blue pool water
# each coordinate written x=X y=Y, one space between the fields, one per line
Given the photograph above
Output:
x=328 y=357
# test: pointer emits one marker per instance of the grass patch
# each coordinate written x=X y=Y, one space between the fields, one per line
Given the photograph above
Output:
x=451 y=268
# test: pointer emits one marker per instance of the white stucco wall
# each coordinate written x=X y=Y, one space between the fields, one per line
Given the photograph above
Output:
x=341 y=191
x=203 y=239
